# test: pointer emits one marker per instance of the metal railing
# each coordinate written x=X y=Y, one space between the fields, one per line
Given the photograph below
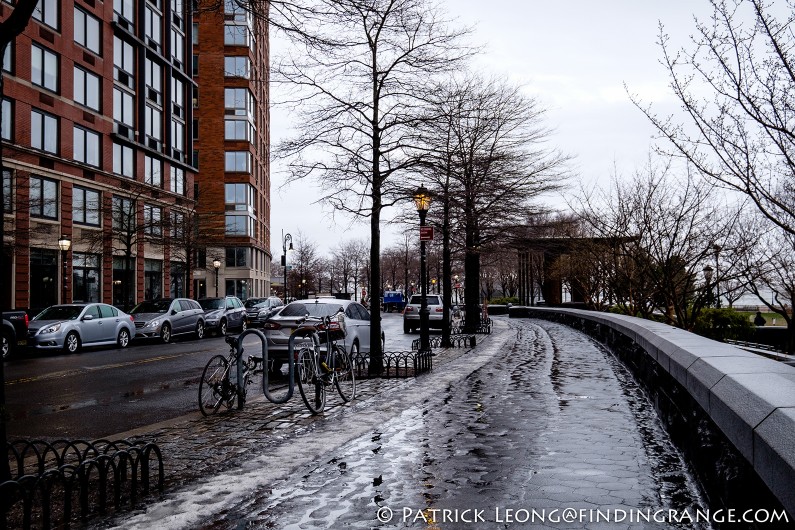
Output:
x=403 y=364
x=50 y=478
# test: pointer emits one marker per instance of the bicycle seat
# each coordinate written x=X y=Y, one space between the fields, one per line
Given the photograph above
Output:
x=231 y=340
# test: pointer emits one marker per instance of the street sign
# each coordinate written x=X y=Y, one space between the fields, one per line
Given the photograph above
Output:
x=426 y=233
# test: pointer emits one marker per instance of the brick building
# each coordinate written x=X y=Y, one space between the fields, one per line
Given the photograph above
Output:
x=98 y=152
x=231 y=67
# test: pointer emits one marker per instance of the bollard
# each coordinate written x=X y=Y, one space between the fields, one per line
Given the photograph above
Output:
x=471 y=341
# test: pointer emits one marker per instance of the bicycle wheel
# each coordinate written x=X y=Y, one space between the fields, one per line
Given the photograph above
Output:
x=344 y=376
x=214 y=385
x=312 y=390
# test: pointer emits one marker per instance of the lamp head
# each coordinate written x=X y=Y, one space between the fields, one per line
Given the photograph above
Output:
x=422 y=199
x=216 y=264
x=64 y=243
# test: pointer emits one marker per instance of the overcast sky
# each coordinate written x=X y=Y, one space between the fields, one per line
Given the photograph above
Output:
x=574 y=56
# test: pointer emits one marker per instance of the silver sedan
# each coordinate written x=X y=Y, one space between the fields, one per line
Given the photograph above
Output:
x=72 y=326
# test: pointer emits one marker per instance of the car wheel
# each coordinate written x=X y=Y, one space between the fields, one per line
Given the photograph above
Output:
x=200 y=330
x=6 y=347
x=406 y=328
x=123 y=340
x=383 y=343
x=72 y=342
x=222 y=328
x=355 y=352
x=165 y=333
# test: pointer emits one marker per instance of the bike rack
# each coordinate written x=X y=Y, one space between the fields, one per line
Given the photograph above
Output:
x=265 y=390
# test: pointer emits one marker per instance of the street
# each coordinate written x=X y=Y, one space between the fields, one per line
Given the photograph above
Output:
x=101 y=392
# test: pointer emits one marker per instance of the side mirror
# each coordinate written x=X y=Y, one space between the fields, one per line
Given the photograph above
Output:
x=173 y=311
x=88 y=317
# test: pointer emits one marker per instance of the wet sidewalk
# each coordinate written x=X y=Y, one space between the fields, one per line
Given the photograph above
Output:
x=536 y=427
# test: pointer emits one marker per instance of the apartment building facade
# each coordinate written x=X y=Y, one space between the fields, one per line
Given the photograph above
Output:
x=231 y=68
x=99 y=164
x=96 y=164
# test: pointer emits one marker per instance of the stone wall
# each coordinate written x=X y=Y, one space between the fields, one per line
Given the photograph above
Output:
x=731 y=412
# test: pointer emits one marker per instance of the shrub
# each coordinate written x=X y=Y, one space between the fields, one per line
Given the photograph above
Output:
x=723 y=323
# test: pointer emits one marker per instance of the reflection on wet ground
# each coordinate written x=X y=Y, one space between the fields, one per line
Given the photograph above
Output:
x=555 y=422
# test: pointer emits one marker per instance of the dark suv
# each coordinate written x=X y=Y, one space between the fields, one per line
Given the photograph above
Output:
x=222 y=314
x=258 y=310
x=14 y=331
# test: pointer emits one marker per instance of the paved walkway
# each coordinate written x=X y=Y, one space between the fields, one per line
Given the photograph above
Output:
x=536 y=417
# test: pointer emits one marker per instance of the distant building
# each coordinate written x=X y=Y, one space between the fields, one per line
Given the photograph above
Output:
x=231 y=136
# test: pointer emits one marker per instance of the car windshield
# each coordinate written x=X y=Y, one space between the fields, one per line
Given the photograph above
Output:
x=60 y=312
x=212 y=304
x=254 y=302
x=297 y=309
x=152 y=306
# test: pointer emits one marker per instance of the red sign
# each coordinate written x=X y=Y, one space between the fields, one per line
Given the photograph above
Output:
x=364 y=292
x=426 y=233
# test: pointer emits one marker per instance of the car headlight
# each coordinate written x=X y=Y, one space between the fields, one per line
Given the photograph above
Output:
x=50 y=329
x=153 y=324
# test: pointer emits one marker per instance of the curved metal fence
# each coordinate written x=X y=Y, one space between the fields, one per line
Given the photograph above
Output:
x=54 y=483
x=395 y=364
x=458 y=340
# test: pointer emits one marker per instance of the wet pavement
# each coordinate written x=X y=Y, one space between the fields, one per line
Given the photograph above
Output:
x=537 y=427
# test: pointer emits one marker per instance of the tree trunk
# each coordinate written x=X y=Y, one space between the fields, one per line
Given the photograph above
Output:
x=447 y=272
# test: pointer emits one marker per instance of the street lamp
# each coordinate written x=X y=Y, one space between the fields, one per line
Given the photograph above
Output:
x=303 y=288
x=285 y=239
x=422 y=200
x=217 y=265
x=707 y=270
x=455 y=286
x=717 y=248
x=64 y=243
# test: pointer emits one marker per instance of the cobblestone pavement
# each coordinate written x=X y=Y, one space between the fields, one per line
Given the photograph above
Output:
x=536 y=417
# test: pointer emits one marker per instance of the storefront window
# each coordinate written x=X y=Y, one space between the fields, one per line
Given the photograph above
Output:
x=153 y=279
x=44 y=284
x=85 y=277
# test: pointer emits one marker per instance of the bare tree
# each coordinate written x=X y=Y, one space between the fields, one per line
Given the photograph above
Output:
x=357 y=89
x=736 y=85
x=491 y=161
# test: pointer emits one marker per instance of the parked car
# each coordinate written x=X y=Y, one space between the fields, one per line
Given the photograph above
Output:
x=167 y=317
x=72 y=326
x=14 y=331
x=411 y=314
x=222 y=314
x=354 y=321
x=258 y=310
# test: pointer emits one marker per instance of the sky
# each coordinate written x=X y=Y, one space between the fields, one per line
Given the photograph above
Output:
x=575 y=57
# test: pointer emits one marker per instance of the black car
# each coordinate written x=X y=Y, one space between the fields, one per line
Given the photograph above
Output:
x=14 y=331
x=258 y=310
x=222 y=314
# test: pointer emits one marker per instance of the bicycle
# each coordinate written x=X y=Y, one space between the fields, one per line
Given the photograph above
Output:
x=315 y=370
x=218 y=388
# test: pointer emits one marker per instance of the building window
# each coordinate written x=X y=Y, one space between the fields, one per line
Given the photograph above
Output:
x=85 y=206
x=178 y=97
x=195 y=69
x=239 y=288
x=153 y=279
x=195 y=35
x=87 y=89
x=177 y=280
x=123 y=282
x=177 y=139
x=123 y=160
x=239 y=225
x=86 y=147
x=153 y=171
x=238 y=161
x=88 y=32
x=43 y=278
x=125 y=10
x=237 y=35
x=43 y=198
x=237 y=256
x=152 y=27
x=153 y=126
x=123 y=107
x=239 y=102
x=85 y=277
x=8 y=203
x=8 y=57
x=123 y=62
x=195 y=129
x=237 y=66
x=8 y=119
x=233 y=10
x=177 y=230
x=154 y=81
x=123 y=214
x=238 y=130
x=177 y=180
x=47 y=12
x=43 y=131
x=153 y=220
x=177 y=48
x=44 y=68
x=239 y=197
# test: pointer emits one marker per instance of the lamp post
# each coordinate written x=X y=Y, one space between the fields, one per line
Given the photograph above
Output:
x=707 y=270
x=455 y=279
x=217 y=265
x=422 y=200
x=64 y=243
x=717 y=248
x=285 y=239
x=303 y=288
